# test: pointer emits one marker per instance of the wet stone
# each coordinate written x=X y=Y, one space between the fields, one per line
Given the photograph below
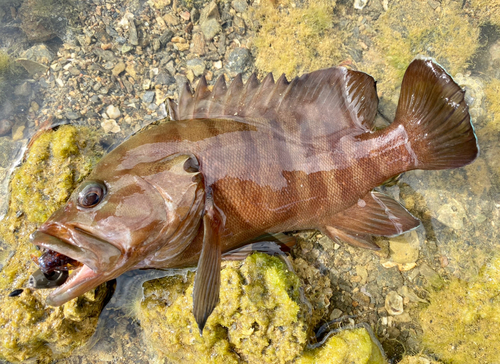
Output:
x=239 y=5
x=71 y=115
x=197 y=66
x=166 y=37
x=148 y=97
x=163 y=78
x=5 y=126
x=113 y=112
x=39 y=53
x=119 y=68
x=388 y=277
x=133 y=37
x=238 y=60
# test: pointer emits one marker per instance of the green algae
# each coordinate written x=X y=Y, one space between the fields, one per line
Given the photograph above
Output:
x=348 y=346
x=260 y=317
x=487 y=11
x=461 y=323
x=296 y=38
x=411 y=29
x=56 y=162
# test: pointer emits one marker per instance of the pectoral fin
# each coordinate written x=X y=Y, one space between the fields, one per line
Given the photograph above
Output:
x=207 y=280
x=374 y=214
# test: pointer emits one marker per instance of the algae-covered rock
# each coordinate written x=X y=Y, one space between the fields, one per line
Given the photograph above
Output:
x=260 y=317
x=413 y=28
x=348 y=346
x=56 y=163
x=461 y=325
x=297 y=38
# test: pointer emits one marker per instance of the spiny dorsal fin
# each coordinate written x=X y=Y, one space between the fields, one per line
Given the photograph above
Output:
x=336 y=98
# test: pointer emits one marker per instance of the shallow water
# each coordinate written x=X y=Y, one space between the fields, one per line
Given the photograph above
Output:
x=86 y=43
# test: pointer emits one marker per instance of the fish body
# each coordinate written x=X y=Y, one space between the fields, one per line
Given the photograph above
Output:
x=252 y=159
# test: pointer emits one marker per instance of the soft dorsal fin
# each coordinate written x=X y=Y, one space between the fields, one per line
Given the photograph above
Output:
x=334 y=98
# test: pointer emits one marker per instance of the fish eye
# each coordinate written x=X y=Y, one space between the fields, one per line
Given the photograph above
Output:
x=91 y=194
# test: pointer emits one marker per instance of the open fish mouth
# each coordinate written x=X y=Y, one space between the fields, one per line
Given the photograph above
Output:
x=91 y=261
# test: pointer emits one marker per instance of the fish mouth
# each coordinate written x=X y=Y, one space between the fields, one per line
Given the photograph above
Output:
x=98 y=259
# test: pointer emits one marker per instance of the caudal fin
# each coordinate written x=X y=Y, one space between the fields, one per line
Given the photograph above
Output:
x=433 y=112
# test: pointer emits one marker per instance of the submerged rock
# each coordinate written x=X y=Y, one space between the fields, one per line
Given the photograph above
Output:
x=29 y=330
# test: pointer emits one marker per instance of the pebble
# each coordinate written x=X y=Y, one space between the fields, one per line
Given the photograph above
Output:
x=148 y=97
x=39 y=53
x=163 y=78
x=452 y=214
x=394 y=303
x=166 y=37
x=113 y=112
x=133 y=37
x=23 y=89
x=238 y=60
x=119 y=68
x=71 y=115
x=110 y=126
x=360 y=4
x=336 y=313
x=5 y=126
x=210 y=21
x=404 y=248
x=18 y=133
x=239 y=5
x=197 y=66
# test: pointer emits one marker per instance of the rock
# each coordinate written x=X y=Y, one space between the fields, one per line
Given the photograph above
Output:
x=39 y=53
x=239 y=5
x=110 y=126
x=18 y=132
x=163 y=78
x=197 y=65
x=394 y=303
x=198 y=44
x=113 y=112
x=148 y=97
x=452 y=214
x=71 y=115
x=238 y=60
x=166 y=37
x=23 y=89
x=404 y=248
x=210 y=21
x=119 y=68
x=5 y=126
x=132 y=35
x=32 y=67
x=126 y=48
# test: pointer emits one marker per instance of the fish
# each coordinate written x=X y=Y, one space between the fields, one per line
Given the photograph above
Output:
x=237 y=162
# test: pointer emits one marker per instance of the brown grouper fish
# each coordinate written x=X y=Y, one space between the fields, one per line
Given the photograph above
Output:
x=254 y=158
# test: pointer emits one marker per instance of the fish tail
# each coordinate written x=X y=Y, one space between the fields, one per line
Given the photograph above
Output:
x=436 y=118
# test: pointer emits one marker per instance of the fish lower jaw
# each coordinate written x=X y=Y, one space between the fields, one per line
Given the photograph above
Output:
x=81 y=280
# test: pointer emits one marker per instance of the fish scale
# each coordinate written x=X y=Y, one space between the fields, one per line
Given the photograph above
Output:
x=252 y=159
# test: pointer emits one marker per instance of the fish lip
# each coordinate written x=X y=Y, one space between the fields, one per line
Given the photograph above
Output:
x=100 y=259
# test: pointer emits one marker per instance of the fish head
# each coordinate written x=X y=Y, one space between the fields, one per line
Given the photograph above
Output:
x=118 y=218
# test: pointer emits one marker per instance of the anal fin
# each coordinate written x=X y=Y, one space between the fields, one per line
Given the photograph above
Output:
x=374 y=214
x=207 y=281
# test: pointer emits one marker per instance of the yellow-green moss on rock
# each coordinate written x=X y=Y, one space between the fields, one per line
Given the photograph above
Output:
x=57 y=161
x=348 y=346
x=413 y=28
x=260 y=317
x=461 y=325
x=297 y=38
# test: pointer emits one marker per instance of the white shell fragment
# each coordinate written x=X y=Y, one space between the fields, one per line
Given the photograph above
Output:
x=360 y=4
x=394 y=303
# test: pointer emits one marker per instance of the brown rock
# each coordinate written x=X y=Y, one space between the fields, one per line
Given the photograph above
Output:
x=5 y=126
x=198 y=44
